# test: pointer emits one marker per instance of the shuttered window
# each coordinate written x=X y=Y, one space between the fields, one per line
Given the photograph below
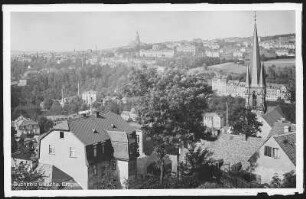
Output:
x=268 y=151
x=271 y=152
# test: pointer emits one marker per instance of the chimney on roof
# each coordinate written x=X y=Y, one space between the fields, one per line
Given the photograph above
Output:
x=97 y=114
x=282 y=119
x=113 y=126
x=286 y=129
x=84 y=114
x=243 y=136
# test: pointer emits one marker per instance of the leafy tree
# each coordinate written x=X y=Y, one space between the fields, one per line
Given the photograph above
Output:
x=56 y=108
x=170 y=107
x=29 y=110
x=47 y=103
x=276 y=181
x=289 y=180
x=199 y=164
x=218 y=104
x=44 y=124
x=26 y=178
x=247 y=123
x=13 y=141
x=113 y=107
x=108 y=181
x=84 y=107
x=291 y=89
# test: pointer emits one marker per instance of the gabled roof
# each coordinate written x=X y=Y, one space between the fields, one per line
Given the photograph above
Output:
x=28 y=122
x=278 y=128
x=287 y=143
x=273 y=115
x=103 y=125
x=234 y=149
x=56 y=175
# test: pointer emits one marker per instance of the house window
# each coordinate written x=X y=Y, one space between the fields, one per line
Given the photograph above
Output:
x=95 y=150
x=268 y=151
x=51 y=149
x=271 y=152
x=72 y=152
x=137 y=138
x=275 y=153
x=61 y=134
x=94 y=168
x=102 y=148
x=114 y=165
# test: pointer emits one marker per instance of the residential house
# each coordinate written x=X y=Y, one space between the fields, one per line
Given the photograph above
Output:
x=277 y=155
x=213 y=120
x=212 y=53
x=89 y=147
x=129 y=115
x=188 y=49
x=26 y=127
x=235 y=88
x=268 y=119
x=159 y=53
x=89 y=97
x=282 y=52
x=234 y=150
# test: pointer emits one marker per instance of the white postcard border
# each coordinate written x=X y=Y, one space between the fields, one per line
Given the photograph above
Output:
x=7 y=9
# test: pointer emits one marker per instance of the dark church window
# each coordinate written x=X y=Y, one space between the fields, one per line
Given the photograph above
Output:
x=254 y=101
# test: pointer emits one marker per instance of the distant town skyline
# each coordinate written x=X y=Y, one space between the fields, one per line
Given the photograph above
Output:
x=66 y=31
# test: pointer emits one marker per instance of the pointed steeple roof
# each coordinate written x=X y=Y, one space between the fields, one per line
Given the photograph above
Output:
x=255 y=60
x=247 y=80
x=262 y=82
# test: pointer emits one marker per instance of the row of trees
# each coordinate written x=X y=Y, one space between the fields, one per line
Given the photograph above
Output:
x=45 y=87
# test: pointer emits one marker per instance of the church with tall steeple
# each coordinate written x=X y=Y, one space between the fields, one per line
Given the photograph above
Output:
x=255 y=79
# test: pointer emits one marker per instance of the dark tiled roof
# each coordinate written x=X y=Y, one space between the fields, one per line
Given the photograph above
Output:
x=28 y=122
x=62 y=126
x=287 y=143
x=84 y=127
x=273 y=115
x=59 y=176
x=278 y=128
x=22 y=155
x=234 y=149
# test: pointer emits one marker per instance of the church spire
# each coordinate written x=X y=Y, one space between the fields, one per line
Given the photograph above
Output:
x=255 y=58
x=262 y=82
x=247 y=80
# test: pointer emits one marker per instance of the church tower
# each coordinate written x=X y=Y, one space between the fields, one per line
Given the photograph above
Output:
x=255 y=79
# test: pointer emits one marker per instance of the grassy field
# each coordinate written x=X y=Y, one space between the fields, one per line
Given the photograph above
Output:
x=229 y=68
x=280 y=62
x=233 y=68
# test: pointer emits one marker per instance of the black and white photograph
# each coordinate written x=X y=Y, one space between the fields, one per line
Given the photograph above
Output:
x=130 y=99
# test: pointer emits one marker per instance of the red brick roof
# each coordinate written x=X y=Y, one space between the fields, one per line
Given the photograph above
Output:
x=287 y=143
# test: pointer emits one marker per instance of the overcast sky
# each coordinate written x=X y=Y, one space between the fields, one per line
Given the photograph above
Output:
x=76 y=30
